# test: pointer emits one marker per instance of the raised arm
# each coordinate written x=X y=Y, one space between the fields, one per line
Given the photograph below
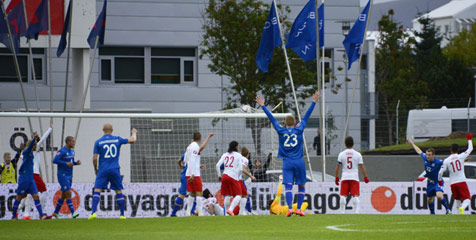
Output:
x=271 y=118
x=270 y=156
x=468 y=151
x=417 y=149
x=45 y=136
x=133 y=137
x=32 y=143
x=204 y=144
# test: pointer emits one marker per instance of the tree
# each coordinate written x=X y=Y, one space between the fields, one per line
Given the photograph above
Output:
x=463 y=47
x=394 y=73
x=232 y=36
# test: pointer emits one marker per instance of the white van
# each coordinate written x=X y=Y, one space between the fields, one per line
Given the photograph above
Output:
x=424 y=124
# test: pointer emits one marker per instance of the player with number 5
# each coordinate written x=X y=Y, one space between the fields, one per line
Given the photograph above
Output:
x=291 y=151
x=455 y=165
x=107 y=148
x=348 y=161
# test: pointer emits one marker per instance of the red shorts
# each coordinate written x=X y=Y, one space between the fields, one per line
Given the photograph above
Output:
x=243 y=189
x=195 y=185
x=40 y=185
x=230 y=186
x=349 y=186
x=460 y=191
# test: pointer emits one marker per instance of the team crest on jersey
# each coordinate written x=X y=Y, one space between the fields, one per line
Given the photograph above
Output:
x=299 y=124
x=58 y=153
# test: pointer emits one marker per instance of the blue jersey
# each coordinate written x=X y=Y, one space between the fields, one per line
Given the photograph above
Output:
x=431 y=168
x=63 y=156
x=184 y=170
x=108 y=147
x=290 y=139
x=26 y=168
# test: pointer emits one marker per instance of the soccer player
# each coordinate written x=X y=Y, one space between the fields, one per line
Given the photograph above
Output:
x=230 y=181
x=65 y=160
x=26 y=183
x=455 y=165
x=194 y=181
x=433 y=186
x=183 y=179
x=107 y=150
x=350 y=174
x=40 y=184
x=275 y=207
x=210 y=204
x=245 y=202
x=291 y=151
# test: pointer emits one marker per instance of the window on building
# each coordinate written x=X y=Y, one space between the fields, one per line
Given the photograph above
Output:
x=122 y=65
x=7 y=65
x=173 y=65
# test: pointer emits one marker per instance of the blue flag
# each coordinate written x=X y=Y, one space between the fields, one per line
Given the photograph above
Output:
x=308 y=51
x=16 y=19
x=356 y=36
x=269 y=40
x=98 y=29
x=39 y=22
x=63 y=41
x=303 y=30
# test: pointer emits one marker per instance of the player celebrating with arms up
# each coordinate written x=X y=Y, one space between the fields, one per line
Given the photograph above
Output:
x=433 y=186
x=455 y=165
x=350 y=174
x=290 y=150
x=107 y=149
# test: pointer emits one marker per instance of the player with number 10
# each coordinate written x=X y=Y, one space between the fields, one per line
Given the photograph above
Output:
x=291 y=151
x=107 y=149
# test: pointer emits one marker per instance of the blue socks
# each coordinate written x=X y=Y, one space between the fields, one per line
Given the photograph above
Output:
x=194 y=205
x=178 y=204
x=38 y=207
x=248 y=204
x=59 y=204
x=121 y=202
x=445 y=203
x=289 y=195
x=96 y=197
x=16 y=203
x=432 y=207
x=70 y=205
x=300 y=197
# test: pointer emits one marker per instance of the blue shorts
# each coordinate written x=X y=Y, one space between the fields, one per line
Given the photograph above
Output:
x=294 y=171
x=65 y=182
x=26 y=186
x=432 y=189
x=112 y=176
x=183 y=185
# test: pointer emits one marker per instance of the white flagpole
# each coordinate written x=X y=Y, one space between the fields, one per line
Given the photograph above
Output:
x=355 y=83
x=292 y=85
x=67 y=64
x=50 y=79
x=323 y=102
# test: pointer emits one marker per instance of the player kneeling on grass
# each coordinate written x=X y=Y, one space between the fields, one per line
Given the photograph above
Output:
x=230 y=182
x=455 y=165
x=291 y=151
x=26 y=182
x=210 y=204
x=348 y=160
x=107 y=149
x=275 y=207
x=433 y=186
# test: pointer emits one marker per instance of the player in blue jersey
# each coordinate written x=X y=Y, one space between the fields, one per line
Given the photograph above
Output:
x=65 y=160
x=107 y=149
x=183 y=180
x=433 y=186
x=291 y=151
x=26 y=182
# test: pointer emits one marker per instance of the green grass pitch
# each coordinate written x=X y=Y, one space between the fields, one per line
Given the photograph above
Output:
x=250 y=227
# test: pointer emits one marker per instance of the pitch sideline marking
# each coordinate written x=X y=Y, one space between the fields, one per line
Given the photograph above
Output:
x=341 y=229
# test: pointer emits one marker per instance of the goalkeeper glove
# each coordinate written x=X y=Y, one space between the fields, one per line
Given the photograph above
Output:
x=366 y=180
x=337 y=181
x=469 y=136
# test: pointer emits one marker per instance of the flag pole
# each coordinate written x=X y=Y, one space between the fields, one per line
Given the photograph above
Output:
x=322 y=105
x=292 y=85
x=15 y=60
x=33 y=71
x=70 y=23
x=358 y=77
x=87 y=85
x=50 y=79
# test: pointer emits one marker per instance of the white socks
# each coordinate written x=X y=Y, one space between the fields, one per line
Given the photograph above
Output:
x=188 y=212
x=199 y=206
x=465 y=204
x=356 y=203
x=28 y=205
x=342 y=203
x=243 y=206
x=227 y=203
x=43 y=200
x=235 y=202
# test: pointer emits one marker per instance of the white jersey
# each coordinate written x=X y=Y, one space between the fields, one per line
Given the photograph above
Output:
x=233 y=165
x=350 y=160
x=455 y=165
x=245 y=164
x=37 y=155
x=192 y=159
x=212 y=202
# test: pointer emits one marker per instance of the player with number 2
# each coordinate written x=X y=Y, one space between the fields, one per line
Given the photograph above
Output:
x=291 y=151
x=107 y=149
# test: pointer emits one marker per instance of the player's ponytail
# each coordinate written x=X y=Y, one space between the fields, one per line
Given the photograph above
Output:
x=233 y=147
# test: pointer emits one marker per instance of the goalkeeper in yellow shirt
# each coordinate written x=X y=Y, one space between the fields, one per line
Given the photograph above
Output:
x=277 y=209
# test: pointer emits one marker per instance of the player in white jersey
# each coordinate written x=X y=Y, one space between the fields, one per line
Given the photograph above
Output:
x=211 y=205
x=349 y=160
x=40 y=184
x=230 y=182
x=455 y=165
